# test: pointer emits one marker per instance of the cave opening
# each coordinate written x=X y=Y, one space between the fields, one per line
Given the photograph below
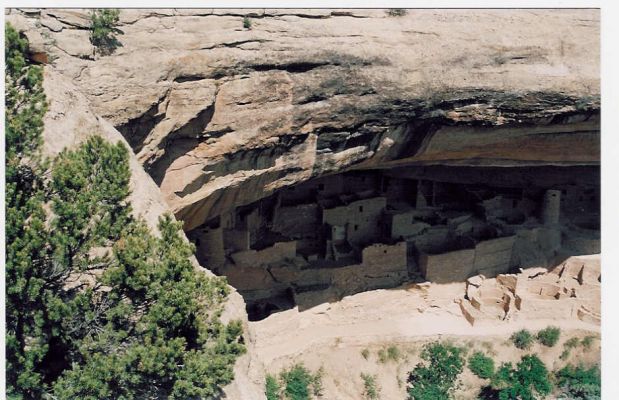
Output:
x=360 y=230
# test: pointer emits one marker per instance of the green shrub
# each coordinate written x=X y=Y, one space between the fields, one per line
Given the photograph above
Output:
x=370 y=387
x=103 y=30
x=481 y=365
x=382 y=356
x=564 y=354
x=568 y=346
x=529 y=380
x=571 y=343
x=522 y=339
x=365 y=353
x=246 y=23
x=391 y=353
x=272 y=388
x=317 y=388
x=579 y=383
x=396 y=12
x=587 y=341
x=436 y=377
x=298 y=381
x=549 y=336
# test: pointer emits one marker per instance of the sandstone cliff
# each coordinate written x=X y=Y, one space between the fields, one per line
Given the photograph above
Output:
x=221 y=116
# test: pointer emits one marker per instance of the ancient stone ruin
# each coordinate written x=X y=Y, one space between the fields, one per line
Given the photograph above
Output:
x=367 y=229
x=535 y=291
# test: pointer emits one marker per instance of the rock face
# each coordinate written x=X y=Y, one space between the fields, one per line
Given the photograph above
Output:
x=70 y=121
x=222 y=116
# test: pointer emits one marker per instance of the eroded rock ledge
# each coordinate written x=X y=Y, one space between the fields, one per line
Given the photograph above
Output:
x=222 y=116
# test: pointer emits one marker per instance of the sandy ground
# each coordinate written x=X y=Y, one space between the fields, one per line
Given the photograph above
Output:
x=333 y=336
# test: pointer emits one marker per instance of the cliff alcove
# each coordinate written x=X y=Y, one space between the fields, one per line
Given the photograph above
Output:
x=309 y=160
x=344 y=233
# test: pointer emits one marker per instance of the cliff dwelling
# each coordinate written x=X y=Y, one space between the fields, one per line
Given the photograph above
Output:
x=307 y=171
x=359 y=230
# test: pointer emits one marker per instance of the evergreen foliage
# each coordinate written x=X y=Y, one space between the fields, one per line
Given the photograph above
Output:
x=436 y=379
x=370 y=387
x=272 y=388
x=297 y=383
x=529 y=380
x=391 y=353
x=246 y=23
x=481 y=365
x=549 y=336
x=103 y=31
x=396 y=12
x=26 y=251
x=568 y=346
x=523 y=339
x=579 y=383
x=587 y=341
x=97 y=306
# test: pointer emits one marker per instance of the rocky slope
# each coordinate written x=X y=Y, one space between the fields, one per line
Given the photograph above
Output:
x=222 y=116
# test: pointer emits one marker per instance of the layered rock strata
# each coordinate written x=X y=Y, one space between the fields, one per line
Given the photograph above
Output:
x=222 y=116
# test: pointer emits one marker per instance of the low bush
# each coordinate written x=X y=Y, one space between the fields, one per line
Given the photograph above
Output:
x=587 y=341
x=397 y=12
x=370 y=387
x=299 y=383
x=528 y=380
x=481 y=365
x=272 y=389
x=522 y=339
x=579 y=383
x=571 y=343
x=391 y=353
x=568 y=346
x=382 y=356
x=246 y=23
x=103 y=30
x=549 y=336
x=365 y=353
x=436 y=377
x=317 y=388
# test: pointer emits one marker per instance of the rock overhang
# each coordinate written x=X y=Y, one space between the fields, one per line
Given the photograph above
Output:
x=220 y=115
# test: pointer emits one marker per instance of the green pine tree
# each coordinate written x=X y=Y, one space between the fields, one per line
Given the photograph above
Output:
x=529 y=380
x=437 y=377
x=97 y=306
x=27 y=253
x=103 y=31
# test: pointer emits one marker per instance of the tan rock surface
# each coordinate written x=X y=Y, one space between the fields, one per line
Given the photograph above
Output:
x=223 y=116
